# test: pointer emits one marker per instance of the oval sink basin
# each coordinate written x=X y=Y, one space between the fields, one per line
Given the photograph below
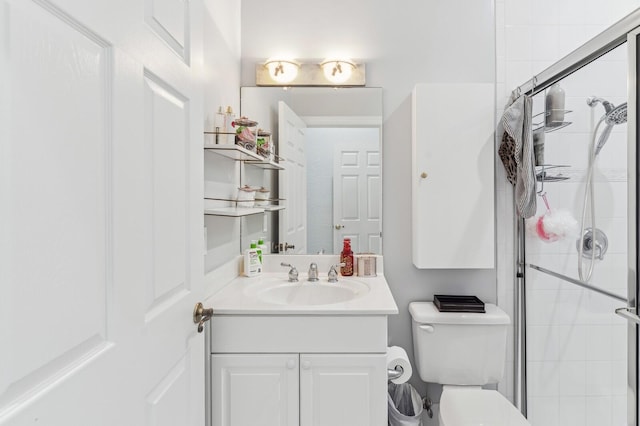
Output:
x=316 y=293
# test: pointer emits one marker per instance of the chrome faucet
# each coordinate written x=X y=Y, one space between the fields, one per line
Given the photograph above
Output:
x=333 y=273
x=293 y=272
x=313 y=272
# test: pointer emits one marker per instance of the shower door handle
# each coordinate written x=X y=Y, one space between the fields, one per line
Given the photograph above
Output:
x=626 y=312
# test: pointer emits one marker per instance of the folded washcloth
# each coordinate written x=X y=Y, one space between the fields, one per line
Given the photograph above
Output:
x=516 y=152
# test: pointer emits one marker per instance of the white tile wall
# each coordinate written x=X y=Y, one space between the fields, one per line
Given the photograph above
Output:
x=576 y=346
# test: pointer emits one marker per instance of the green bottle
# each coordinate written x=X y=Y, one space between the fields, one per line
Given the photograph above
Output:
x=254 y=245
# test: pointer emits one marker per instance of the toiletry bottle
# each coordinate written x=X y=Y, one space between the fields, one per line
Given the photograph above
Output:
x=219 y=124
x=346 y=257
x=262 y=246
x=252 y=266
x=554 y=106
x=254 y=245
x=229 y=130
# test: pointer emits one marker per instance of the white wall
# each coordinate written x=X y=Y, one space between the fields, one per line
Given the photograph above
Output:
x=221 y=24
x=402 y=43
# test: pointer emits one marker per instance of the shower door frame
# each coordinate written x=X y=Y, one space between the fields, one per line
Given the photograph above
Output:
x=627 y=31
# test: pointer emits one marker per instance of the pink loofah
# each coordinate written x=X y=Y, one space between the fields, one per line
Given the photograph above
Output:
x=554 y=225
x=544 y=236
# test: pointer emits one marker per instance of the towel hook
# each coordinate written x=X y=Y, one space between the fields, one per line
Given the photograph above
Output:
x=542 y=192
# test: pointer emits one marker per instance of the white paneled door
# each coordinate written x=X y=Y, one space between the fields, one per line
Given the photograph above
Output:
x=100 y=212
x=357 y=190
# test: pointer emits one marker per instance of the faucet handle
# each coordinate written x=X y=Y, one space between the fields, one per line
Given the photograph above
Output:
x=333 y=273
x=293 y=272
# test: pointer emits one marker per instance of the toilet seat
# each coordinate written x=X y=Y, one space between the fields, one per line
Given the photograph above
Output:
x=474 y=406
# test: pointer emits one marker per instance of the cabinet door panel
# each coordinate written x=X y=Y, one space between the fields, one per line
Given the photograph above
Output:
x=255 y=390
x=453 y=176
x=343 y=390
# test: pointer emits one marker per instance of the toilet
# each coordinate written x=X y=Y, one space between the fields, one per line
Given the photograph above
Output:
x=463 y=352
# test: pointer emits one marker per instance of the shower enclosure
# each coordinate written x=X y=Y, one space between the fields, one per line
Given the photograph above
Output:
x=576 y=334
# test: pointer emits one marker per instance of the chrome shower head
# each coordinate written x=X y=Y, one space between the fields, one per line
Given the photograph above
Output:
x=617 y=115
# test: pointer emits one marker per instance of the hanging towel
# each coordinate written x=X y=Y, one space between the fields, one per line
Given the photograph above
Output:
x=516 y=148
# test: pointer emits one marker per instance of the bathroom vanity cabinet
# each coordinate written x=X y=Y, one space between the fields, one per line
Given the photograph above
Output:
x=294 y=370
x=288 y=360
x=298 y=389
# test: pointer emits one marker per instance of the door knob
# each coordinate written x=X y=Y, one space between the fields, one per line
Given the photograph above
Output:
x=339 y=227
x=423 y=175
x=306 y=365
x=201 y=315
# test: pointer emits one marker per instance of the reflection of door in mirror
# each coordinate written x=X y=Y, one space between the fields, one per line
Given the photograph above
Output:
x=293 y=181
x=343 y=180
x=344 y=110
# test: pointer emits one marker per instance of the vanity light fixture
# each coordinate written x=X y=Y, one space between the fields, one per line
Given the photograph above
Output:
x=332 y=73
x=282 y=71
x=337 y=70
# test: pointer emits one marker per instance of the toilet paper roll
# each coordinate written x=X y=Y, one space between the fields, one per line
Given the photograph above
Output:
x=397 y=356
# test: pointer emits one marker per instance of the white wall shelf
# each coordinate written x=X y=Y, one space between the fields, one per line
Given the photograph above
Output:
x=235 y=152
x=265 y=164
x=233 y=211
x=239 y=153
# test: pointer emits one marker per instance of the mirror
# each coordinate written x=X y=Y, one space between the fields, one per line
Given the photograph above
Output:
x=343 y=140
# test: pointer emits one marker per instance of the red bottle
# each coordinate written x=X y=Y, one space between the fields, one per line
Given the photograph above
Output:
x=346 y=257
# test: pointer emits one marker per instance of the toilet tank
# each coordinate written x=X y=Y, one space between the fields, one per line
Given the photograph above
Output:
x=459 y=348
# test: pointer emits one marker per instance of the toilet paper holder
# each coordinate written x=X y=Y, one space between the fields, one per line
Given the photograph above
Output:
x=395 y=373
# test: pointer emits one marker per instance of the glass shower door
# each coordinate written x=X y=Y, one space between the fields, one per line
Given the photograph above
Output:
x=581 y=356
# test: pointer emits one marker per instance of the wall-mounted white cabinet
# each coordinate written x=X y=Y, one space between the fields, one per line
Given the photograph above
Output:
x=453 y=176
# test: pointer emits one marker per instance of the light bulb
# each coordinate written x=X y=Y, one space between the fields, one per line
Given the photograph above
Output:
x=337 y=71
x=282 y=71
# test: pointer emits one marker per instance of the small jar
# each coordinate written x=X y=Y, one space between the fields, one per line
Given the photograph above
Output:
x=262 y=197
x=246 y=196
x=366 y=265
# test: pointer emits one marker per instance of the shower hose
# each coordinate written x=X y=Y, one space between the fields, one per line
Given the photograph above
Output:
x=588 y=199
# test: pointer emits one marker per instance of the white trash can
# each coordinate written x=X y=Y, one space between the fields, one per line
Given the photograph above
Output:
x=405 y=405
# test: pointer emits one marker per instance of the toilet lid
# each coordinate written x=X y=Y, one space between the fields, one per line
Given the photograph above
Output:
x=476 y=406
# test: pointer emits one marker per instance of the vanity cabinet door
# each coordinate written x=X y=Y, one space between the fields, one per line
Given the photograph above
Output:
x=256 y=390
x=343 y=390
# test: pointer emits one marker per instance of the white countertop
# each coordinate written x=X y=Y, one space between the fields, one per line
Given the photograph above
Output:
x=242 y=295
